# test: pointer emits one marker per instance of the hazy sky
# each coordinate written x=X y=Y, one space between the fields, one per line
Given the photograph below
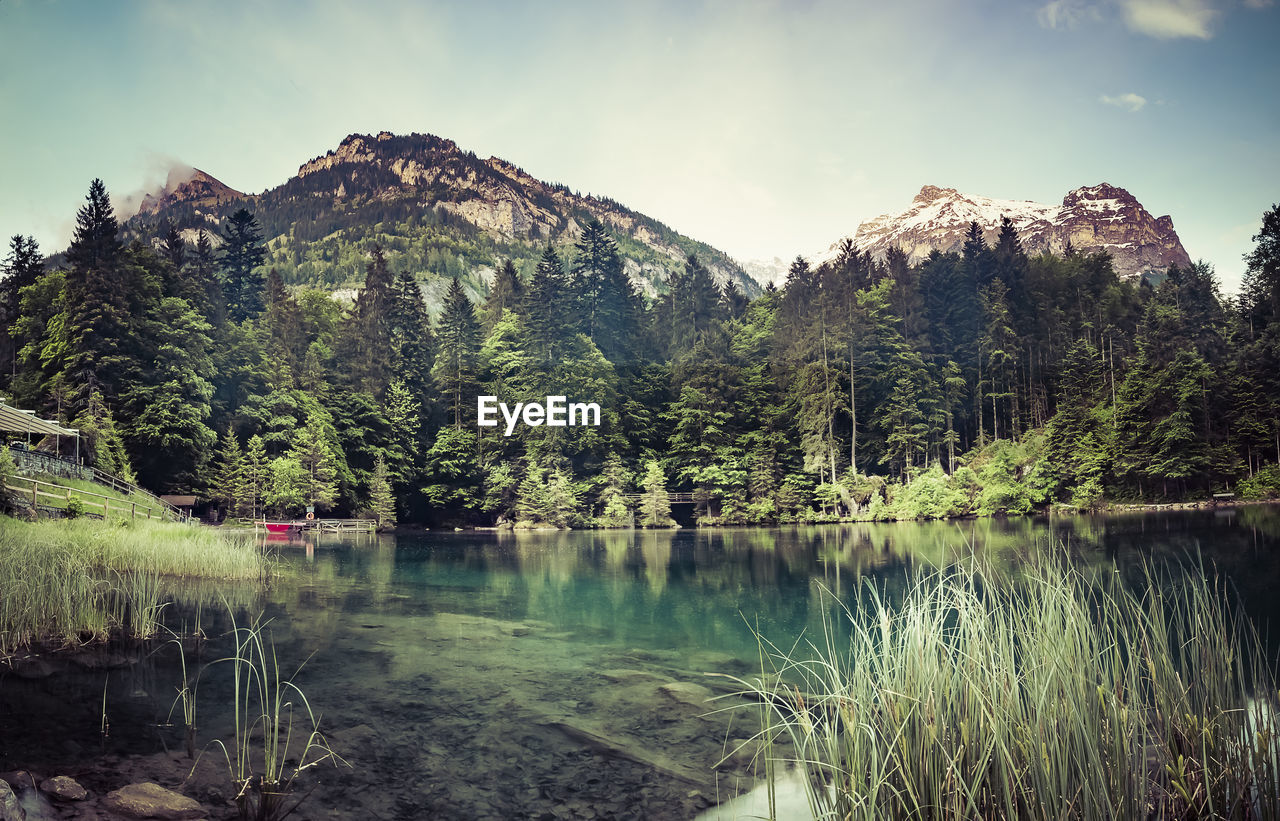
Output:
x=766 y=129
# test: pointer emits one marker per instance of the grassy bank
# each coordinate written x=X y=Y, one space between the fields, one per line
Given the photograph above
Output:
x=81 y=580
x=1054 y=697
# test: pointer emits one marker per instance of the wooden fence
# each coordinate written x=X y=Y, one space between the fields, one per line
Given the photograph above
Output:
x=92 y=502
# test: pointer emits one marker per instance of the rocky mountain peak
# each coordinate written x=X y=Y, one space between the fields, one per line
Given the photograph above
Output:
x=188 y=185
x=1102 y=217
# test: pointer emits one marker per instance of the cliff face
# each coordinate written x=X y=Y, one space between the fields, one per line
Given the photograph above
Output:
x=1101 y=217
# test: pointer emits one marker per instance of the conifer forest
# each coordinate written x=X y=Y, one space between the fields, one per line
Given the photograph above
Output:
x=985 y=382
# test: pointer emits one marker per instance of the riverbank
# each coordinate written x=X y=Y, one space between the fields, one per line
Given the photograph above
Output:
x=78 y=581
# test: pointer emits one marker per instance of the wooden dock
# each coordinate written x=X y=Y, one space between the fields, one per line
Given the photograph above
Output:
x=339 y=525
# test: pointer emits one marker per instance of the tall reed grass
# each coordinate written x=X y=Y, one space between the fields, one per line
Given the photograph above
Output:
x=1052 y=697
x=79 y=580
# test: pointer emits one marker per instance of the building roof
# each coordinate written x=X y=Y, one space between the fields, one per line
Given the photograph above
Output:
x=16 y=420
x=178 y=501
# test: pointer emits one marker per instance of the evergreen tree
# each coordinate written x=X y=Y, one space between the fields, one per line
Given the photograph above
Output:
x=22 y=267
x=101 y=444
x=505 y=294
x=381 y=499
x=255 y=474
x=546 y=308
x=655 y=504
x=229 y=481
x=368 y=351
x=242 y=258
x=614 y=510
x=459 y=345
x=312 y=452
x=96 y=327
x=608 y=306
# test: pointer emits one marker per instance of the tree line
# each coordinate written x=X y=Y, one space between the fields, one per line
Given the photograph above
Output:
x=983 y=381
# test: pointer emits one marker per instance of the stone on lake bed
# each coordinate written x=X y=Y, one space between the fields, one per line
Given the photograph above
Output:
x=685 y=692
x=150 y=800
x=10 y=810
x=65 y=788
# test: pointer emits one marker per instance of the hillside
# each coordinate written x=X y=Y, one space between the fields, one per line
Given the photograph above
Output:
x=437 y=210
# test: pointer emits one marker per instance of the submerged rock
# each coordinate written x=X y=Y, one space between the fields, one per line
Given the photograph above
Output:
x=64 y=787
x=9 y=807
x=150 y=800
x=685 y=692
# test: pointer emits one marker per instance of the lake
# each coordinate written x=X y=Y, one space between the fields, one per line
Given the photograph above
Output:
x=553 y=675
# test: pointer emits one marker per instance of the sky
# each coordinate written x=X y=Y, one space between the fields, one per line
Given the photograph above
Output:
x=765 y=129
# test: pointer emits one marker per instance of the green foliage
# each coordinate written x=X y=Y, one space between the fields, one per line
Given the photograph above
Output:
x=655 y=503
x=1265 y=484
x=381 y=500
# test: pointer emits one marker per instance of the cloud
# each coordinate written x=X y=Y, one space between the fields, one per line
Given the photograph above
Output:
x=1259 y=4
x=1067 y=14
x=1128 y=101
x=1170 y=19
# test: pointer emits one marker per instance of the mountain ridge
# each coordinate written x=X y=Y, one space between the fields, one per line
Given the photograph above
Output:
x=437 y=209
x=1093 y=218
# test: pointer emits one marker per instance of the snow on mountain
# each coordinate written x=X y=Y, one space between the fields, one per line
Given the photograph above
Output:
x=1094 y=218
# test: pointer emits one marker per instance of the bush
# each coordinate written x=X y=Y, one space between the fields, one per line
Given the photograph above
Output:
x=1265 y=484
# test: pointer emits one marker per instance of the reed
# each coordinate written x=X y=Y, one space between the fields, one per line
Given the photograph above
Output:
x=74 y=581
x=264 y=758
x=1052 y=697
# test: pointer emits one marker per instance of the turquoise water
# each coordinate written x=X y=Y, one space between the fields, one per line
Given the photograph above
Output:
x=561 y=675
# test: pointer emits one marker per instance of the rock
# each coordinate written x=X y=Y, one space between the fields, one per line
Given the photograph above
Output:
x=695 y=695
x=150 y=800
x=9 y=808
x=625 y=676
x=64 y=787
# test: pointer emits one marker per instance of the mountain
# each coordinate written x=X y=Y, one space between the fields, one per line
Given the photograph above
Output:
x=1096 y=218
x=191 y=186
x=437 y=210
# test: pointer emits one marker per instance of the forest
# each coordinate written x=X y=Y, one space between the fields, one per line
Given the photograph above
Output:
x=983 y=382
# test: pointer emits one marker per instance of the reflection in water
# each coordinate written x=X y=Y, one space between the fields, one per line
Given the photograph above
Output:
x=436 y=657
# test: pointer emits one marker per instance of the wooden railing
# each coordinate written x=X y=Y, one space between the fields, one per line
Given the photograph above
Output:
x=31 y=461
x=92 y=502
x=678 y=497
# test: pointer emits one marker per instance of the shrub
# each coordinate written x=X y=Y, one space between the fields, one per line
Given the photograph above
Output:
x=1264 y=484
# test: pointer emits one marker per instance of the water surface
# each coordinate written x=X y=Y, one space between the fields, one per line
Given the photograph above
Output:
x=559 y=675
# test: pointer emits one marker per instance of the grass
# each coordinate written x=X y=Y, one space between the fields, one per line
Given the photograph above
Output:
x=1055 y=697
x=88 y=504
x=73 y=581
x=264 y=758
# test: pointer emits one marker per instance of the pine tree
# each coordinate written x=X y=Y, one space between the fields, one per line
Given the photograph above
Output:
x=97 y=320
x=103 y=446
x=546 y=309
x=655 y=504
x=459 y=345
x=368 y=351
x=381 y=500
x=506 y=293
x=255 y=473
x=242 y=258
x=608 y=305
x=614 y=510
x=22 y=267
x=311 y=450
x=229 y=481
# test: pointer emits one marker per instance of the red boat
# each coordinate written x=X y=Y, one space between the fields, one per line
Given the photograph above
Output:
x=278 y=527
